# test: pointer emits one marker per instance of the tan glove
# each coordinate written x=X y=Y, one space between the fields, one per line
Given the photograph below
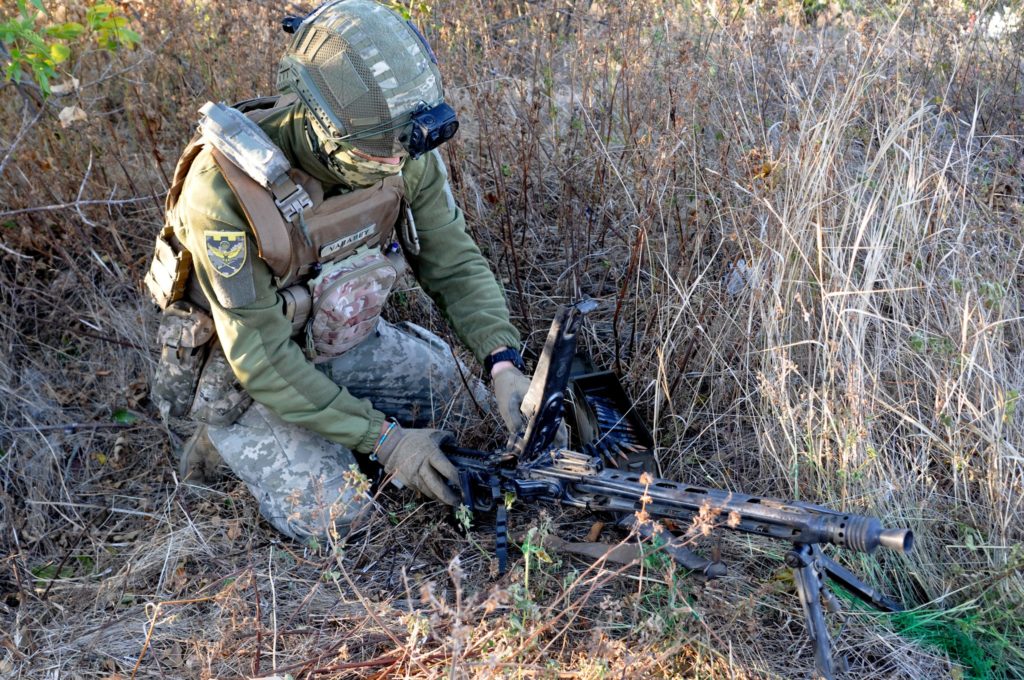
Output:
x=510 y=387
x=414 y=457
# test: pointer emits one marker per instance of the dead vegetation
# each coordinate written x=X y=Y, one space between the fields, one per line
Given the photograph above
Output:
x=803 y=225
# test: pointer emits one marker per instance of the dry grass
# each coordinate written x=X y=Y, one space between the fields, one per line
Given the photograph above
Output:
x=805 y=232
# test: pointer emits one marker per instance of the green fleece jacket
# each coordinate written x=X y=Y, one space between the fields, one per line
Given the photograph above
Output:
x=247 y=311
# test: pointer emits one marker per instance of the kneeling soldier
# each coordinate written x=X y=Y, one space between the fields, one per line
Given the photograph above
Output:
x=288 y=221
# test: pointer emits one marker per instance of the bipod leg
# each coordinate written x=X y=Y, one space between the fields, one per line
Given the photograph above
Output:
x=809 y=575
x=500 y=526
x=853 y=585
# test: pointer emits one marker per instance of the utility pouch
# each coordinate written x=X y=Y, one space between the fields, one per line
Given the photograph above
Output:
x=348 y=298
x=168 y=273
x=220 y=399
x=184 y=334
x=296 y=304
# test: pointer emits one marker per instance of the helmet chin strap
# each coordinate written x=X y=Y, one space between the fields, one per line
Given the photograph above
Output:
x=314 y=144
x=353 y=172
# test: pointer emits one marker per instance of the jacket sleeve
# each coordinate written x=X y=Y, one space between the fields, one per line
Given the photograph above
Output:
x=450 y=267
x=255 y=334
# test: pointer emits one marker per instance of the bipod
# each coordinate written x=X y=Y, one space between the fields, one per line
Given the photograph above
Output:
x=811 y=571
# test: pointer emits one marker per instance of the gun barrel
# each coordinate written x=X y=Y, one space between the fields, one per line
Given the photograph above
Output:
x=900 y=540
x=794 y=521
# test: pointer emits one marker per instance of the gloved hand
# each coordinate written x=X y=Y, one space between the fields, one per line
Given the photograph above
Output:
x=414 y=456
x=510 y=387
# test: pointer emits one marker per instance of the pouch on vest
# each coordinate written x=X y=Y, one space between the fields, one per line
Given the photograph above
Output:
x=184 y=334
x=348 y=298
x=168 y=273
x=296 y=304
x=220 y=399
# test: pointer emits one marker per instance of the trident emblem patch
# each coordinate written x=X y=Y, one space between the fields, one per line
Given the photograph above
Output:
x=226 y=250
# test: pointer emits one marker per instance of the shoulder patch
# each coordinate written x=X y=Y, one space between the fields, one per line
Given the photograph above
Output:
x=231 y=272
x=227 y=251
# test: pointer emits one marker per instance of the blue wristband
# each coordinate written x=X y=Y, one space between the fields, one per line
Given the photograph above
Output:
x=383 y=438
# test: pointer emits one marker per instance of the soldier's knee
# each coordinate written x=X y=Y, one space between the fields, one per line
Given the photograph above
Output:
x=302 y=518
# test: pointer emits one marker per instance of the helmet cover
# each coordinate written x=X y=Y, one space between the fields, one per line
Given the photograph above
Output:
x=362 y=71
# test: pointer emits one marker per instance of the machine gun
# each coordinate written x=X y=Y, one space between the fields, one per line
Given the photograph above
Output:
x=534 y=470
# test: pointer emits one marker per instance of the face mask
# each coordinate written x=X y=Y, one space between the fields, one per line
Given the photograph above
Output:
x=355 y=171
x=358 y=171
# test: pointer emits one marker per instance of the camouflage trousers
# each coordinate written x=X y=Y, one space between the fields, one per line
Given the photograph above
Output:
x=305 y=484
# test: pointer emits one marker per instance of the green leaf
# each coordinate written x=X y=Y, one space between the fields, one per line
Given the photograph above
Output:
x=43 y=79
x=39 y=4
x=49 y=572
x=124 y=416
x=129 y=38
x=97 y=14
x=46 y=571
x=35 y=40
x=59 y=52
x=13 y=72
x=464 y=516
x=66 y=31
x=1012 y=397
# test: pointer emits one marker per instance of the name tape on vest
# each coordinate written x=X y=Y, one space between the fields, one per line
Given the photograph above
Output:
x=329 y=249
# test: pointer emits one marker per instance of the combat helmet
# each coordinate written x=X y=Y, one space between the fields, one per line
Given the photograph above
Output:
x=369 y=79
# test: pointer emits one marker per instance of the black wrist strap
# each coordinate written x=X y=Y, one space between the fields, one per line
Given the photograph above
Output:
x=504 y=355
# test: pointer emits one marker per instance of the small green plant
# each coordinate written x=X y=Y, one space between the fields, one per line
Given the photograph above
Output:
x=408 y=8
x=811 y=9
x=32 y=50
x=465 y=517
x=123 y=416
x=992 y=293
x=35 y=51
x=1010 y=408
x=926 y=343
x=111 y=27
x=50 y=572
x=654 y=557
x=960 y=636
x=524 y=609
x=533 y=548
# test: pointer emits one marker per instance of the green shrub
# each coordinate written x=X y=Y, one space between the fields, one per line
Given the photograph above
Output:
x=35 y=51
